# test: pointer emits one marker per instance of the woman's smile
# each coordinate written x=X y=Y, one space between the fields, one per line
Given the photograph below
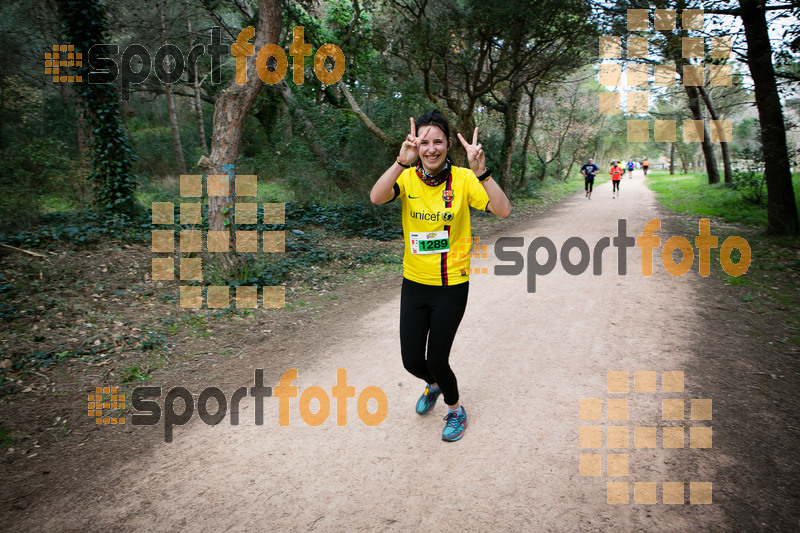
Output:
x=433 y=149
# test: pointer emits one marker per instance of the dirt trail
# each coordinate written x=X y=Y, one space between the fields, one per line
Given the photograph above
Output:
x=523 y=361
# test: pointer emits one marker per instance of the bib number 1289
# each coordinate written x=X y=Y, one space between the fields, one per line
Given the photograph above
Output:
x=433 y=245
x=434 y=242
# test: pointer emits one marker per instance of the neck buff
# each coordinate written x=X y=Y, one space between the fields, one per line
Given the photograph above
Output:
x=438 y=179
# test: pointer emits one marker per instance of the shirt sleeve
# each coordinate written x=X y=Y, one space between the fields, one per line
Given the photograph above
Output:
x=399 y=186
x=477 y=194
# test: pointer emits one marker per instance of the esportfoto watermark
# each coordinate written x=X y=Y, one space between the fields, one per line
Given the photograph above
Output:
x=148 y=412
x=647 y=241
x=136 y=63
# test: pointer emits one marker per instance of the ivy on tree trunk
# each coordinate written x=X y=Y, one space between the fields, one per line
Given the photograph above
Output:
x=111 y=177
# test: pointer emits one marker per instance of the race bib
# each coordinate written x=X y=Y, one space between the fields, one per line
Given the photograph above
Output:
x=431 y=242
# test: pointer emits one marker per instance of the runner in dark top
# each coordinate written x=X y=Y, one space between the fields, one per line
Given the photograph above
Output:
x=589 y=170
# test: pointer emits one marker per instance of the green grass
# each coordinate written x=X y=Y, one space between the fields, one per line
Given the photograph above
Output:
x=691 y=195
x=551 y=190
x=168 y=190
x=133 y=374
x=5 y=438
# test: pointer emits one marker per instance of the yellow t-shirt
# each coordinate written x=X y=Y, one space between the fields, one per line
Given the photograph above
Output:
x=435 y=219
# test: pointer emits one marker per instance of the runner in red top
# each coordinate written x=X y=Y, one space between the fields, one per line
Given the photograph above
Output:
x=616 y=176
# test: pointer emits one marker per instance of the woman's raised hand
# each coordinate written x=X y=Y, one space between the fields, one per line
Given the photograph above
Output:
x=475 y=155
x=409 y=151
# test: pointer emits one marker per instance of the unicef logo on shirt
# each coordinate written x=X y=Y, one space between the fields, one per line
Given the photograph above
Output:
x=446 y=216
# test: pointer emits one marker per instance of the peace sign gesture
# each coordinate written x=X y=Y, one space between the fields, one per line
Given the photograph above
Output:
x=409 y=152
x=475 y=155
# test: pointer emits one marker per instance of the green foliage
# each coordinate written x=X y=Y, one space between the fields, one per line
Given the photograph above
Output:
x=750 y=184
x=152 y=340
x=5 y=436
x=374 y=256
x=82 y=228
x=133 y=374
x=8 y=312
x=155 y=143
x=358 y=219
x=34 y=360
x=691 y=195
x=35 y=172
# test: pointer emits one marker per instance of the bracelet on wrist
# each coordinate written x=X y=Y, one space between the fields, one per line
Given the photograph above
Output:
x=486 y=175
x=402 y=164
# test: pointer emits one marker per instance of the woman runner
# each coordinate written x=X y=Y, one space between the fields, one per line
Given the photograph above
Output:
x=616 y=176
x=436 y=198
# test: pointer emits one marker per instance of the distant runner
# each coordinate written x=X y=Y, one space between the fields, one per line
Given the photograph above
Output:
x=645 y=165
x=631 y=165
x=589 y=170
x=616 y=176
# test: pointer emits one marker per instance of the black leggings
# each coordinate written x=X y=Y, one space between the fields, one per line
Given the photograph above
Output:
x=429 y=317
x=615 y=187
x=589 y=183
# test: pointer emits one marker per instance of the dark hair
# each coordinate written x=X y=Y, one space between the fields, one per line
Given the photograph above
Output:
x=434 y=118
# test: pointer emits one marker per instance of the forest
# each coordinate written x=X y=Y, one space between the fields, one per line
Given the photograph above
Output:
x=176 y=105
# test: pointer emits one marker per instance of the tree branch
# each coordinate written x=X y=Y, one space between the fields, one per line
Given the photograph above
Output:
x=371 y=126
x=352 y=26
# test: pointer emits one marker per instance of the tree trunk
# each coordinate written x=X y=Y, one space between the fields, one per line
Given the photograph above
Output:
x=309 y=132
x=674 y=45
x=230 y=112
x=466 y=125
x=781 y=207
x=112 y=180
x=523 y=178
x=173 y=117
x=509 y=139
x=723 y=146
x=511 y=117
x=683 y=156
x=83 y=138
x=197 y=103
x=708 y=147
x=671 y=159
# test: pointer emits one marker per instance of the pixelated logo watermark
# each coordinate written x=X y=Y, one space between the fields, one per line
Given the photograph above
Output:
x=639 y=78
x=471 y=248
x=149 y=412
x=613 y=451
x=106 y=398
x=60 y=61
x=513 y=262
x=191 y=241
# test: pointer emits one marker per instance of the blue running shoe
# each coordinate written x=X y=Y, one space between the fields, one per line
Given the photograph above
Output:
x=456 y=424
x=427 y=400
